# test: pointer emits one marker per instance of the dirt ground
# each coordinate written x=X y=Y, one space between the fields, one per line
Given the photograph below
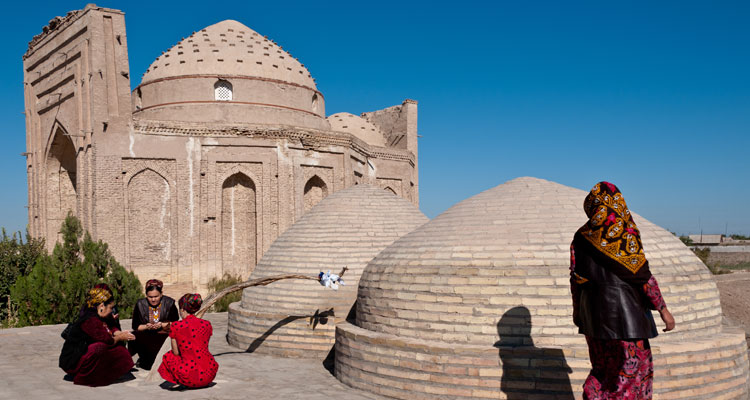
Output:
x=735 y=298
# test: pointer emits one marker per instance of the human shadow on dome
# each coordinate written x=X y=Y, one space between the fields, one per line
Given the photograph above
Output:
x=529 y=370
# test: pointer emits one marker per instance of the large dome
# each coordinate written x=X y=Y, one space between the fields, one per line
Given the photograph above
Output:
x=229 y=73
x=347 y=228
x=229 y=48
x=493 y=271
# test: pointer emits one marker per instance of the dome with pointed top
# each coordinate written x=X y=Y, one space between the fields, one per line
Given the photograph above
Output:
x=231 y=74
x=345 y=229
x=229 y=48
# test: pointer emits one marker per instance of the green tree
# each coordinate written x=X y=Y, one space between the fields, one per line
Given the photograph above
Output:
x=17 y=257
x=56 y=287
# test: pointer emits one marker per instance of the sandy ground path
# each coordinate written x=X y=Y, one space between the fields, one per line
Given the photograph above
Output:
x=735 y=298
x=28 y=366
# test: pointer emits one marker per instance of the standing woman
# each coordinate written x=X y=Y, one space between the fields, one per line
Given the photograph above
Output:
x=90 y=353
x=189 y=363
x=151 y=319
x=613 y=293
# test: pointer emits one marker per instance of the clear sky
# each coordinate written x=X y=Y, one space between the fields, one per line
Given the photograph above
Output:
x=653 y=96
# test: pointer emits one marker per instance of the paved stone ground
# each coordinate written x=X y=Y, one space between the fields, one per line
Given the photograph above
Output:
x=28 y=367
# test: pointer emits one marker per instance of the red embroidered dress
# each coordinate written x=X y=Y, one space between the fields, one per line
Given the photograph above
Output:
x=195 y=367
x=104 y=361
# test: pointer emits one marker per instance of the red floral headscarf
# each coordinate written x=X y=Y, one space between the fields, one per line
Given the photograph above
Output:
x=190 y=302
x=155 y=283
x=611 y=229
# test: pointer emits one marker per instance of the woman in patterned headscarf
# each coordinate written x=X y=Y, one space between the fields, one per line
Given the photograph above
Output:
x=90 y=353
x=189 y=363
x=613 y=293
x=152 y=316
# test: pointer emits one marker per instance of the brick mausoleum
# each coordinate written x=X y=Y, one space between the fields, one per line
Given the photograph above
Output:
x=222 y=146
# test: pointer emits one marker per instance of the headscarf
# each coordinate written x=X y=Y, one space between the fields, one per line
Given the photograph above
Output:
x=191 y=302
x=611 y=229
x=97 y=296
x=156 y=283
x=103 y=286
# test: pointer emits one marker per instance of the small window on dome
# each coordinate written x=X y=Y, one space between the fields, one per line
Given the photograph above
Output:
x=223 y=90
x=315 y=104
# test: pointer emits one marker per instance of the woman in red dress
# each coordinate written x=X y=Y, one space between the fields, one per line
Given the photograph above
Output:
x=189 y=363
x=91 y=353
x=613 y=295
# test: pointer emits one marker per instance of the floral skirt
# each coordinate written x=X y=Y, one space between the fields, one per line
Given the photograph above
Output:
x=620 y=369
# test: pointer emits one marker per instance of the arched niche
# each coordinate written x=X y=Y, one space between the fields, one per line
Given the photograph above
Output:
x=239 y=221
x=61 y=172
x=149 y=213
x=315 y=191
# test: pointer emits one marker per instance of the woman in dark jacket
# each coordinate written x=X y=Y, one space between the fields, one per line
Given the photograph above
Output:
x=613 y=295
x=90 y=353
x=152 y=317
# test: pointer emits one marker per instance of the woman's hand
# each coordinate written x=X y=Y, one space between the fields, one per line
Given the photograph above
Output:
x=668 y=319
x=123 y=336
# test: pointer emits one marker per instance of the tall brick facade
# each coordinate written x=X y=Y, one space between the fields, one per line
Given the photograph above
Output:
x=222 y=146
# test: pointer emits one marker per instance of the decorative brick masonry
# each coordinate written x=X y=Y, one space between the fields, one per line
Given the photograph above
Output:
x=192 y=175
x=347 y=228
x=476 y=304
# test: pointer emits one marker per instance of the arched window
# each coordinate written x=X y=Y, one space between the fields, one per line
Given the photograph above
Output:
x=223 y=90
x=315 y=191
x=315 y=103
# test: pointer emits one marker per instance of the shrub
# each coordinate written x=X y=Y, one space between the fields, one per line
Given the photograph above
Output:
x=216 y=285
x=16 y=259
x=55 y=289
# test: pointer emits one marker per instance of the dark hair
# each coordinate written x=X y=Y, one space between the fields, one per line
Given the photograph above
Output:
x=153 y=287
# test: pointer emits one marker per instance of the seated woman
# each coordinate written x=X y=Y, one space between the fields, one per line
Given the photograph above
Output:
x=151 y=319
x=90 y=353
x=189 y=363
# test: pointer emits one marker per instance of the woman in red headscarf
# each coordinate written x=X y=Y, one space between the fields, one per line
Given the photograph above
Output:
x=613 y=295
x=189 y=363
x=152 y=317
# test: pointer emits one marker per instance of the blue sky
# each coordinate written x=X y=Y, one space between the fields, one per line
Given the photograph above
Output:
x=653 y=96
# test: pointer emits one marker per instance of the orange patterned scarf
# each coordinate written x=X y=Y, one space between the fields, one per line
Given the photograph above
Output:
x=611 y=229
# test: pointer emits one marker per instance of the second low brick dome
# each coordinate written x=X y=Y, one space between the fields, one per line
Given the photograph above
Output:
x=347 y=228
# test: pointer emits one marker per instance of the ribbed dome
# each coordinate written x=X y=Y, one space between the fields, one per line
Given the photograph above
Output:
x=476 y=304
x=505 y=247
x=357 y=126
x=347 y=228
x=229 y=48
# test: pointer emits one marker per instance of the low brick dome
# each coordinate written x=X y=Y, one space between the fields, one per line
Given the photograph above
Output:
x=347 y=228
x=492 y=272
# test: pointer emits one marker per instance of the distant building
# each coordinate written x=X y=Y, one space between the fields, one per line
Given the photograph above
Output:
x=707 y=240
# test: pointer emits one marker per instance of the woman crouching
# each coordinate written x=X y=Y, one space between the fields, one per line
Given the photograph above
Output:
x=189 y=363
x=90 y=353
